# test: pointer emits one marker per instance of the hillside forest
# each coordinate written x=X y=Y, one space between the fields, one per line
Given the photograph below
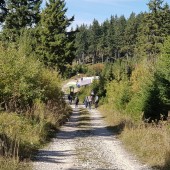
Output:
x=38 y=50
x=131 y=56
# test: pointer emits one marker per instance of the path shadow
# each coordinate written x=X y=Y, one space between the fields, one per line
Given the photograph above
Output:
x=51 y=156
x=86 y=128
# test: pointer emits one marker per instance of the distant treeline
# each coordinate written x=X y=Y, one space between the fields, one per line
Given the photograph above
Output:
x=138 y=36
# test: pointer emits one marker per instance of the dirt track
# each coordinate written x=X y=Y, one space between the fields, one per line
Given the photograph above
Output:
x=85 y=143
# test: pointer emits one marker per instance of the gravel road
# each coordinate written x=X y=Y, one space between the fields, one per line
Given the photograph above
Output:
x=85 y=143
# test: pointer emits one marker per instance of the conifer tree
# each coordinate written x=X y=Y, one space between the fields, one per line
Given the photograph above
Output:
x=103 y=44
x=95 y=34
x=120 y=25
x=130 y=35
x=154 y=29
x=3 y=10
x=20 y=14
x=81 y=43
x=56 y=44
x=163 y=75
x=111 y=37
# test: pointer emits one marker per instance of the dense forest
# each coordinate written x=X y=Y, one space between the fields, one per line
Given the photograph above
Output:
x=135 y=52
x=38 y=48
x=136 y=37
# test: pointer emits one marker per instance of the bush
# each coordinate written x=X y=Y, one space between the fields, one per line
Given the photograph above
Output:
x=118 y=94
x=24 y=79
x=32 y=103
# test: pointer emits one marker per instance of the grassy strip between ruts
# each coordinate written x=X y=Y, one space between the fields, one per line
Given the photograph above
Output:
x=149 y=142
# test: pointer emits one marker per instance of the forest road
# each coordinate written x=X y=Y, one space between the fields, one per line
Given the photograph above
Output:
x=85 y=143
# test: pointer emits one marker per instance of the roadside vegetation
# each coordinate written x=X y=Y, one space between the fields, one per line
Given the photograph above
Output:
x=32 y=106
x=134 y=86
x=136 y=107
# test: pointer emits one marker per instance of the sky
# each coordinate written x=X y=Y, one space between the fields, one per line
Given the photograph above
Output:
x=85 y=11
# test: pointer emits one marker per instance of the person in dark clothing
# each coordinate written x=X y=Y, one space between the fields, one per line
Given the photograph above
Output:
x=76 y=101
x=86 y=101
x=70 y=98
x=96 y=101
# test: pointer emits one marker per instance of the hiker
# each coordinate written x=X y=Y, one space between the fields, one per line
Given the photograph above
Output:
x=96 y=101
x=86 y=101
x=76 y=101
x=89 y=101
x=92 y=97
x=70 y=98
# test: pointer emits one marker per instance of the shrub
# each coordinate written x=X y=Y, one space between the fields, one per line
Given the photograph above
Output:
x=118 y=94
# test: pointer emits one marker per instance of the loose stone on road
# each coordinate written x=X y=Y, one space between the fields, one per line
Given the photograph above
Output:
x=85 y=143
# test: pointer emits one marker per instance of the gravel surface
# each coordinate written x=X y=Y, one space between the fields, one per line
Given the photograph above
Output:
x=85 y=143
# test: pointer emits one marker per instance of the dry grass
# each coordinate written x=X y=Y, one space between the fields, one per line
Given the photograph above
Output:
x=151 y=143
x=11 y=164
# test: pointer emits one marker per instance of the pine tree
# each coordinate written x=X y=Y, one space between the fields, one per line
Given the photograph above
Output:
x=120 y=25
x=82 y=43
x=3 y=10
x=130 y=35
x=95 y=34
x=103 y=44
x=154 y=29
x=56 y=44
x=21 y=14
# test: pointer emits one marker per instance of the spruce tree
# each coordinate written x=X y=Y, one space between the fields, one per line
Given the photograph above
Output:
x=120 y=25
x=21 y=14
x=56 y=44
x=154 y=29
x=3 y=10
x=95 y=34
x=81 y=43
x=163 y=75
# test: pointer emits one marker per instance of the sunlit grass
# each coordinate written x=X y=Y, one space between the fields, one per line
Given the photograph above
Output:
x=149 y=142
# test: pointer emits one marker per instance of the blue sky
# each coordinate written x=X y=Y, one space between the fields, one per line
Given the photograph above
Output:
x=86 y=10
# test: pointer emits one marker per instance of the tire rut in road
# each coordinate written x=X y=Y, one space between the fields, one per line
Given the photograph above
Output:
x=88 y=151
x=84 y=143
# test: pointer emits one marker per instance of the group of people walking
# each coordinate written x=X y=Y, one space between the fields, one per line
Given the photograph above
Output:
x=91 y=99
x=76 y=100
x=88 y=101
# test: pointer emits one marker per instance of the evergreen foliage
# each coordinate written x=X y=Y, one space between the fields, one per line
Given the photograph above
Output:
x=3 y=10
x=20 y=14
x=56 y=46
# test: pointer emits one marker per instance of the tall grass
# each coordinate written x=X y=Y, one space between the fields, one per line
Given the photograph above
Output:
x=10 y=164
x=149 y=142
